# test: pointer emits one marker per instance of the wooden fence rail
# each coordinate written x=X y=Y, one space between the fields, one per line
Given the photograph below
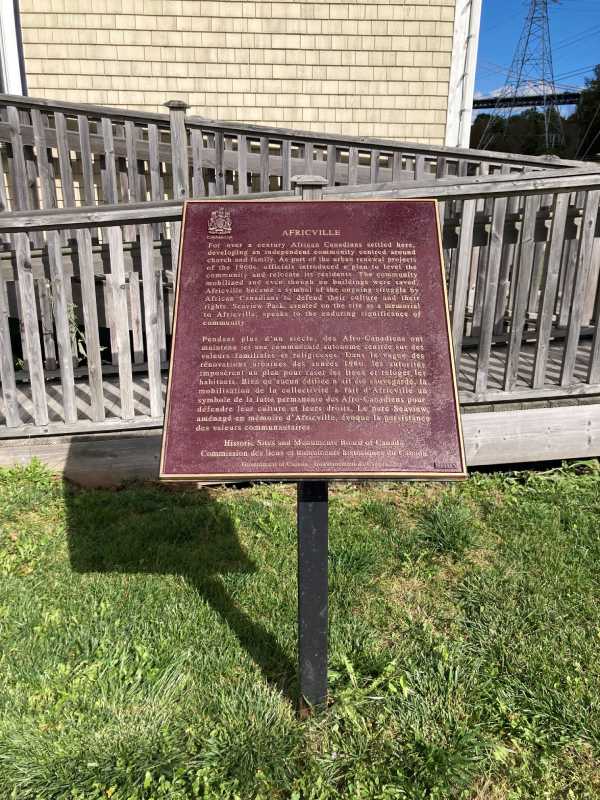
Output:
x=86 y=298
x=62 y=155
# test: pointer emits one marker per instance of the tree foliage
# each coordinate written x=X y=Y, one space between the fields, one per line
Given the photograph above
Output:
x=524 y=131
x=587 y=116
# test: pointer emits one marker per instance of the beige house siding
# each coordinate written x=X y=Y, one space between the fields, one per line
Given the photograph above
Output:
x=367 y=69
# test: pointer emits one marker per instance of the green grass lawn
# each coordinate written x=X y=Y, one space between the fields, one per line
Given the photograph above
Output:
x=148 y=641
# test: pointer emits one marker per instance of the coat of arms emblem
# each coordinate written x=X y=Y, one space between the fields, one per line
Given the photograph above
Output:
x=220 y=221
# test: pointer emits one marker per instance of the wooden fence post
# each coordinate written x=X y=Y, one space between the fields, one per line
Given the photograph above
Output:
x=309 y=187
x=179 y=151
x=179 y=167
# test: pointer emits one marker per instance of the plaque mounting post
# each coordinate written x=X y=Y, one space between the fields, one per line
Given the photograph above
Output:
x=312 y=556
x=361 y=346
x=312 y=594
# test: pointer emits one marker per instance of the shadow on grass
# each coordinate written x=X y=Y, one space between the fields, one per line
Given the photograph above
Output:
x=161 y=531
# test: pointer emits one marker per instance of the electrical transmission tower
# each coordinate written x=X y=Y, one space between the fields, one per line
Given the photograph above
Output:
x=531 y=72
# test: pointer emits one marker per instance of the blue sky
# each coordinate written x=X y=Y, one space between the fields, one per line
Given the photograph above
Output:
x=574 y=33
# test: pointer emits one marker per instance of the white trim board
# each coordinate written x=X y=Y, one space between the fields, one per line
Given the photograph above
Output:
x=9 y=49
x=467 y=17
x=540 y=434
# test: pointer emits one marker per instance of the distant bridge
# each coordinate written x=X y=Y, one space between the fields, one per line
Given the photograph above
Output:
x=559 y=99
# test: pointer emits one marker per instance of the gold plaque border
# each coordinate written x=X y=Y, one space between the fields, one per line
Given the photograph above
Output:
x=298 y=476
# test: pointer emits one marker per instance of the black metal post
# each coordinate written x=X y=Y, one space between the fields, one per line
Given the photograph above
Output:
x=312 y=594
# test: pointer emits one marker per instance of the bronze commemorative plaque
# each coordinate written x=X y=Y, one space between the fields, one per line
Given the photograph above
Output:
x=311 y=340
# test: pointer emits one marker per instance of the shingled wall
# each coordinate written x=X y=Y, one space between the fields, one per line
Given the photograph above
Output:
x=372 y=69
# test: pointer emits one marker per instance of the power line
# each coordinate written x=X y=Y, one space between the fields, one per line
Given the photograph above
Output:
x=578 y=71
x=575 y=38
x=497 y=68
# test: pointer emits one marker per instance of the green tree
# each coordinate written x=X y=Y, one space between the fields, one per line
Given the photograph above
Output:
x=522 y=133
x=587 y=117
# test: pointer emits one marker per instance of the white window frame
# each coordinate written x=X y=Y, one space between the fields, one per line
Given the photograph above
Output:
x=10 y=61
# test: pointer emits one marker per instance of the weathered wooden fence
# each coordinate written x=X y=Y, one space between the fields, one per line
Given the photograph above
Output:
x=64 y=155
x=522 y=257
x=92 y=201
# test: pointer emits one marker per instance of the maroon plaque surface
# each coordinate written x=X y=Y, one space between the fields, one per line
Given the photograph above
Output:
x=311 y=340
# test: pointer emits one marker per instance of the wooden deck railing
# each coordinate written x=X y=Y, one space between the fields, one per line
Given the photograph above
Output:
x=62 y=155
x=92 y=200
x=522 y=259
x=86 y=297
